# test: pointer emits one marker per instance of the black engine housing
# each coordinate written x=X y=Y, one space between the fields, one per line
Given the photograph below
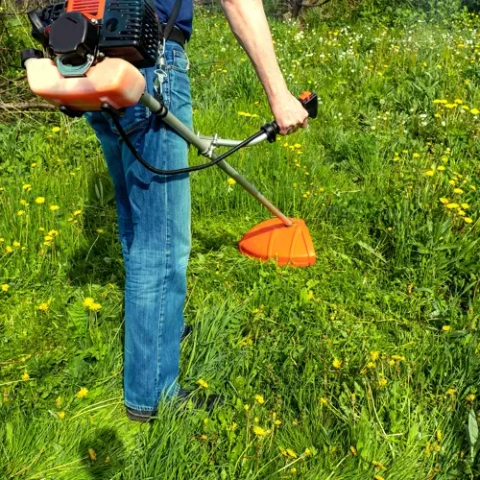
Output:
x=129 y=29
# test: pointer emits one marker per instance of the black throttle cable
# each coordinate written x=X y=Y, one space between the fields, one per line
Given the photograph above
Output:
x=178 y=171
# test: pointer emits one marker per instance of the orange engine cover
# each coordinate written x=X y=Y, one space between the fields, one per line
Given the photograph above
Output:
x=92 y=9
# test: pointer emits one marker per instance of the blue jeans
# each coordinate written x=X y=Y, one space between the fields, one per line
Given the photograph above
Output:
x=154 y=227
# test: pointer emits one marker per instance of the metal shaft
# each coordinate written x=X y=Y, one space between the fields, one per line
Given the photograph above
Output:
x=204 y=147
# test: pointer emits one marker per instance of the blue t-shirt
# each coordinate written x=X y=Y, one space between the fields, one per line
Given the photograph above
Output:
x=185 y=16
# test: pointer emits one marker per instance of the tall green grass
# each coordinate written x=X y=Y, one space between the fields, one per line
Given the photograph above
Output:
x=364 y=366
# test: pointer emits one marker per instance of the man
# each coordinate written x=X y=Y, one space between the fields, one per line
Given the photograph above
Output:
x=154 y=211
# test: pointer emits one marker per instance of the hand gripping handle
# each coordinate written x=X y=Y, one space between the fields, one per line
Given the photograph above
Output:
x=309 y=101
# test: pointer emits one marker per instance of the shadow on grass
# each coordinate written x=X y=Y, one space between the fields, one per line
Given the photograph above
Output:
x=102 y=453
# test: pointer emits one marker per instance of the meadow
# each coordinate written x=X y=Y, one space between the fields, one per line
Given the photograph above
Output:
x=364 y=366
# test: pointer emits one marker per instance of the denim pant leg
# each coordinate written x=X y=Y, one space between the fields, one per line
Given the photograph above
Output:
x=157 y=238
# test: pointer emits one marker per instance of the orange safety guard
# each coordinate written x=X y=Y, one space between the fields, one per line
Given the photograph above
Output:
x=113 y=81
x=271 y=239
x=92 y=9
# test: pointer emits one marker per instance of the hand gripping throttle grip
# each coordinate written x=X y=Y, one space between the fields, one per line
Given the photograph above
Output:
x=309 y=102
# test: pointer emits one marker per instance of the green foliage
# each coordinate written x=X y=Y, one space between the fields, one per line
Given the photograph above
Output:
x=364 y=364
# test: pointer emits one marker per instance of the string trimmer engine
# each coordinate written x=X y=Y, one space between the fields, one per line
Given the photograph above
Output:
x=78 y=33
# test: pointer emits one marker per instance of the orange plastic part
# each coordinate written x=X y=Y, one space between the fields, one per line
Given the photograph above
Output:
x=113 y=81
x=92 y=9
x=286 y=245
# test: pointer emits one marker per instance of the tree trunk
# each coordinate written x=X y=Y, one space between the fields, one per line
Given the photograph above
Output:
x=296 y=8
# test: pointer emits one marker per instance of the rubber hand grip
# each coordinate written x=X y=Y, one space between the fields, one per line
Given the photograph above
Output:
x=309 y=102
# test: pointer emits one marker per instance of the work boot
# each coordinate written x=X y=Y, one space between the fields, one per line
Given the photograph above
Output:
x=183 y=396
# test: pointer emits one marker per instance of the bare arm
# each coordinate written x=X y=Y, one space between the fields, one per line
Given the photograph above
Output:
x=249 y=24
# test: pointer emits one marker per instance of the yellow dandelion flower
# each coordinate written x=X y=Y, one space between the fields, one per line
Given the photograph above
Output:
x=323 y=401
x=82 y=393
x=76 y=213
x=458 y=101
x=441 y=101
x=94 y=307
x=465 y=206
x=260 y=399
x=382 y=382
x=379 y=465
x=58 y=402
x=297 y=145
x=260 y=432
x=278 y=422
x=444 y=159
x=446 y=328
x=54 y=208
x=444 y=200
x=416 y=155
x=452 y=205
x=20 y=213
x=293 y=470
x=308 y=452
x=61 y=415
x=8 y=249
x=353 y=450
x=378 y=477
x=202 y=383
x=336 y=363
x=55 y=129
x=40 y=200
x=451 y=105
x=468 y=220
x=374 y=355
x=231 y=181
x=25 y=376
x=100 y=231
x=470 y=397
x=459 y=191
x=44 y=307
x=441 y=168
x=391 y=363
x=451 y=391
x=462 y=213
x=439 y=435
x=474 y=111
x=88 y=301
x=5 y=287
x=473 y=187
x=16 y=244
x=291 y=453
x=91 y=452
x=27 y=187
x=430 y=173
x=398 y=358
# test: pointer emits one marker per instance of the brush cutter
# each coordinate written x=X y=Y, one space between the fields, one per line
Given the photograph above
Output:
x=92 y=50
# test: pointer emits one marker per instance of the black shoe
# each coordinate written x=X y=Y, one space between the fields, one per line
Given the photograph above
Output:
x=187 y=330
x=183 y=396
x=139 y=416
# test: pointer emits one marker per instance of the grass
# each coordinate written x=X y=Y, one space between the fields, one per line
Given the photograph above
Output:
x=364 y=366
